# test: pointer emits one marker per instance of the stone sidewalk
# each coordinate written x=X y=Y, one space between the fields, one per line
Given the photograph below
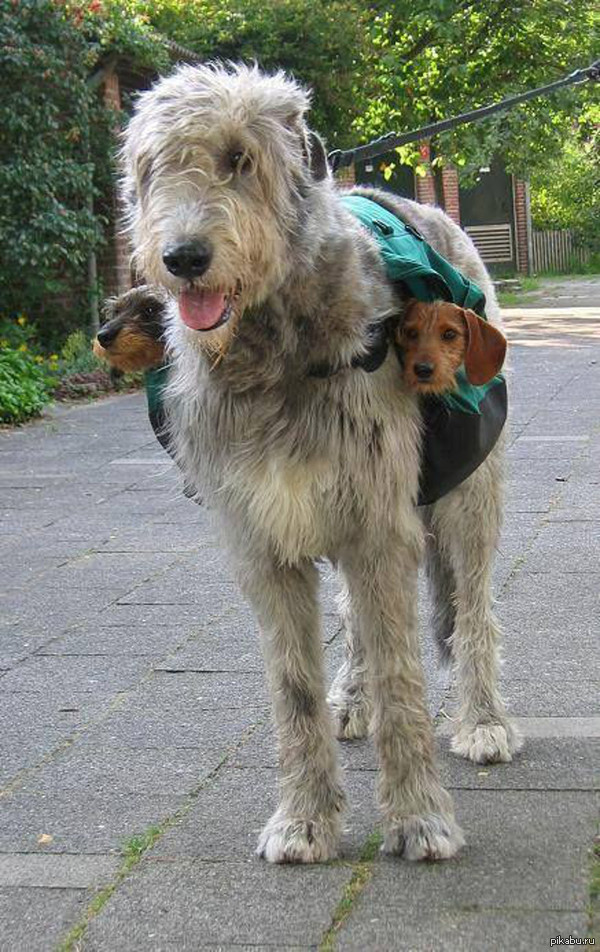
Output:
x=136 y=757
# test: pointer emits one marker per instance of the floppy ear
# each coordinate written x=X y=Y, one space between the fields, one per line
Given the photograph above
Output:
x=316 y=156
x=486 y=349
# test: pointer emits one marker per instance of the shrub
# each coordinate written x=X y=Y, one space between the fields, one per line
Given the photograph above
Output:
x=23 y=386
x=76 y=355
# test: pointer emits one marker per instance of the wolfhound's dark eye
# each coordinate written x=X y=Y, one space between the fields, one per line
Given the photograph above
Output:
x=240 y=161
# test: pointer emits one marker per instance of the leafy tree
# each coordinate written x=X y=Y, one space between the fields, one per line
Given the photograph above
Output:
x=319 y=42
x=566 y=193
x=428 y=60
x=46 y=171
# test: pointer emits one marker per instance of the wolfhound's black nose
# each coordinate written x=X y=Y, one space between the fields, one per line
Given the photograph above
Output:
x=423 y=371
x=188 y=259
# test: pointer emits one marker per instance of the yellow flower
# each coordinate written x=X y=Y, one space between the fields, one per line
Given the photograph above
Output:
x=22 y=320
x=53 y=356
x=23 y=348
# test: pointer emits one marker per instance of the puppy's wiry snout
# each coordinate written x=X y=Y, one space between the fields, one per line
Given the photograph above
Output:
x=188 y=259
x=107 y=334
x=424 y=370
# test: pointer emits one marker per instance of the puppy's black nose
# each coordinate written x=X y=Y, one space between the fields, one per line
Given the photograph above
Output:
x=188 y=259
x=107 y=334
x=423 y=371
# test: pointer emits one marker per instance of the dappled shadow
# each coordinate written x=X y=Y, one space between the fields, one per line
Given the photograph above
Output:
x=565 y=327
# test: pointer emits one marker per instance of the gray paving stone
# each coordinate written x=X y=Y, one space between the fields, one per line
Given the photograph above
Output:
x=35 y=919
x=82 y=674
x=525 y=850
x=222 y=649
x=550 y=626
x=454 y=930
x=149 y=640
x=241 y=903
x=543 y=764
x=79 y=822
x=37 y=710
x=166 y=771
x=186 y=616
x=132 y=726
x=230 y=812
x=24 y=747
x=550 y=697
x=176 y=694
x=565 y=548
x=55 y=870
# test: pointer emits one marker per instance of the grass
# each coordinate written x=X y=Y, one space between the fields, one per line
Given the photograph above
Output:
x=135 y=848
x=361 y=876
x=594 y=906
x=132 y=852
x=512 y=298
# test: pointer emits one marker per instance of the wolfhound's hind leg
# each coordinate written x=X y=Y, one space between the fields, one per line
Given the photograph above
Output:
x=465 y=526
x=348 y=697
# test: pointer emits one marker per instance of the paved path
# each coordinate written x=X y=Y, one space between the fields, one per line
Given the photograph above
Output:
x=136 y=759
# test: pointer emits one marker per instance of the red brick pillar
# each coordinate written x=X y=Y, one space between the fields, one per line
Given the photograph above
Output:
x=425 y=184
x=116 y=271
x=522 y=225
x=451 y=193
x=112 y=90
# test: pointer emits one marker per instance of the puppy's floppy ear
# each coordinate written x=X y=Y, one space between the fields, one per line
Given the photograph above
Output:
x=316 y=156
x=486 y=349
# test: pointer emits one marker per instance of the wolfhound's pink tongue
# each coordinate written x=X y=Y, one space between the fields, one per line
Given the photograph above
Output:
x=201 y=310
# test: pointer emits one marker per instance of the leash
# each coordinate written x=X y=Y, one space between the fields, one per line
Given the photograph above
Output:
x=342 y=158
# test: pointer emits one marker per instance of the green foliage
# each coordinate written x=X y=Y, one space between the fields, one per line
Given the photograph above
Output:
x=56 y=166
x=23 y=386
x=318 y=42
x=427 y=61
x=76 y=355
x=46 y=170
x=566 y=194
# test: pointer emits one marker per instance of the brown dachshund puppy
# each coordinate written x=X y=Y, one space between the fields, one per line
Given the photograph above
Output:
x=436 y=338
x=131 y=337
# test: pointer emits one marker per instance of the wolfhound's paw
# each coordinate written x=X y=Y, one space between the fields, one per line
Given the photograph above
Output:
x=488 y=743
x=350 y=718
x=292 y=840
x=432 y=836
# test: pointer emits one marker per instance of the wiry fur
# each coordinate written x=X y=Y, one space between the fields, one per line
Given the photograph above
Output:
x=300 y=467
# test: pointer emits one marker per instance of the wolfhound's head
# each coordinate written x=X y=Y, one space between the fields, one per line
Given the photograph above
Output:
x=219 y=167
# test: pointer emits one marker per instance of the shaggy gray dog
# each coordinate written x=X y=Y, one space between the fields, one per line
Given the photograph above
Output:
x=232 y=209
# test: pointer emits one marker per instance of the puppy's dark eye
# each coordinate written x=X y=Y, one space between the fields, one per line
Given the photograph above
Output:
x=239 y=161
x=411 y=333
x=151 y=310
x=449 y=334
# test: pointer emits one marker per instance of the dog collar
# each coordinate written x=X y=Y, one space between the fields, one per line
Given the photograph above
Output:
x=378 y=346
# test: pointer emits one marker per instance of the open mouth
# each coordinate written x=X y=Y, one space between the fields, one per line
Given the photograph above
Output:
x=205 y=310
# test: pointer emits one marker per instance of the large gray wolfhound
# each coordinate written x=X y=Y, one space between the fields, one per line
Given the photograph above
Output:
x=233 y=210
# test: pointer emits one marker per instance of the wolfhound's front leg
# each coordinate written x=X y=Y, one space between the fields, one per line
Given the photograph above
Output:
x=306 y=826
x=418 y=812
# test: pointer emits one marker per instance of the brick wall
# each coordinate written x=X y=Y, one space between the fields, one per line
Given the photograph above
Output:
x=425 y=184
x=522 y=225
x=451 y=198
x=113 y=262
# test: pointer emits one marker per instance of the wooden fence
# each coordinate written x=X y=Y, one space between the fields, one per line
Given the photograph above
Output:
x=556 y=251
